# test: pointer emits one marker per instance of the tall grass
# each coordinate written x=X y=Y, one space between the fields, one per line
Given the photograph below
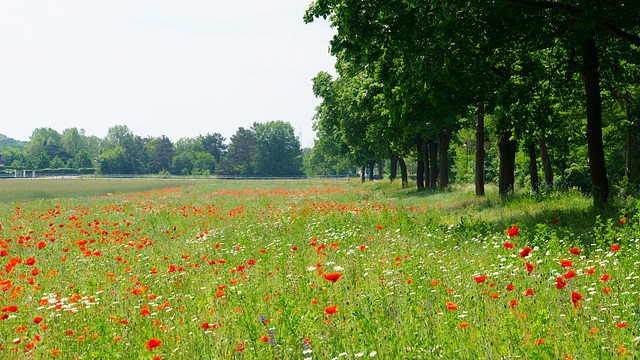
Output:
x=209 y=272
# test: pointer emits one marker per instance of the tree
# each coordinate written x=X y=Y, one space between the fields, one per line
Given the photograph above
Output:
x=278 y=150
x=45 y=140
x=42 y=161
x=82 y=160
x=586 y=26
x=214 y=145
x=134 y=146
x=241 y=156
x=160 y=154
x=114 y=161
x=57 y=163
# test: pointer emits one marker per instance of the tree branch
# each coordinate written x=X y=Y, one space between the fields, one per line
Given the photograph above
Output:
x=634 y=39
x=545 y=5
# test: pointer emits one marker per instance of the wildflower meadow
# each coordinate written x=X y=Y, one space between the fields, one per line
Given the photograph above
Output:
x=308 y=272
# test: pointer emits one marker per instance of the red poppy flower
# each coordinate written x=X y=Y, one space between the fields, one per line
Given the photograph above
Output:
x=295 y=248
x=575 y=297
x=574 y=251
x=590 y=271
x=331 y=310
x=240 y=347
x=451 y=306
x=508 y=245
x=622 y=221
x=265 y=338
x=513 y=231
x=379 y=227
x=509 y=287
x=530 y=266
x=464 y=324
x=606 y=290
x=362 y=247
x=153 y=343
x=569 y=274
x=332 y=277
x=172 y=268
x=560 y=283
x=621 y=325
x=38 y=320
x=525 y=252
x=556 y=220
x=565 y=263
x=220 y=294
x=513 y=303
x=41 y=244
x=604 y=277
x=251 y=262
x=30 y=261
x=480 y=279
x=615 y=247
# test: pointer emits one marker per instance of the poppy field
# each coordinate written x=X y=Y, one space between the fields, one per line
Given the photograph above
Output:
x=307 y=272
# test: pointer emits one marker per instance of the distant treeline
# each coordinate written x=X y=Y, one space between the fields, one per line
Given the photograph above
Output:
x=269 y=149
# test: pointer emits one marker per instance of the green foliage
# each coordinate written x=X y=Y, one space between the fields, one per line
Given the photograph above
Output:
x=114 y=161
x=268 y=149
x=82 y=159
x=278 y=150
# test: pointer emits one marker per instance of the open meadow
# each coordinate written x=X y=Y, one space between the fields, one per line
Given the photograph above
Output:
x=310 y=271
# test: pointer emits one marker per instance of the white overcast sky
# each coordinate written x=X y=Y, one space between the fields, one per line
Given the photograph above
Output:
x=174 y=68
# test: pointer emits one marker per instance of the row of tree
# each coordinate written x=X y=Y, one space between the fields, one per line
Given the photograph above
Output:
x=267 y=149
x=413 y=73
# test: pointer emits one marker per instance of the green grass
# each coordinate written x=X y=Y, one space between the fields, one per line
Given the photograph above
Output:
x=402 y=256
x=26 y=189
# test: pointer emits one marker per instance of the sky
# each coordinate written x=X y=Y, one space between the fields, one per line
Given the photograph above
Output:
x=175 y=68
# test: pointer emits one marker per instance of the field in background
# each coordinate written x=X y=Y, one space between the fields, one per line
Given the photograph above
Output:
x=257 y=270
x=42 y=188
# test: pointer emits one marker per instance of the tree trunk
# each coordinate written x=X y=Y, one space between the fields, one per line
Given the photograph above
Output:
x=380 y=168
x=433 y=164
x=445 y=138
x=394 y=165
x=627 y=160
x=506 y=177
x=597 y=164
x=425 y=159
x=364 y=171
x=480 y=153
x=420 y=170
x=533 y=167
x=546 y=162
x=371 y=166
x=403 y=172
